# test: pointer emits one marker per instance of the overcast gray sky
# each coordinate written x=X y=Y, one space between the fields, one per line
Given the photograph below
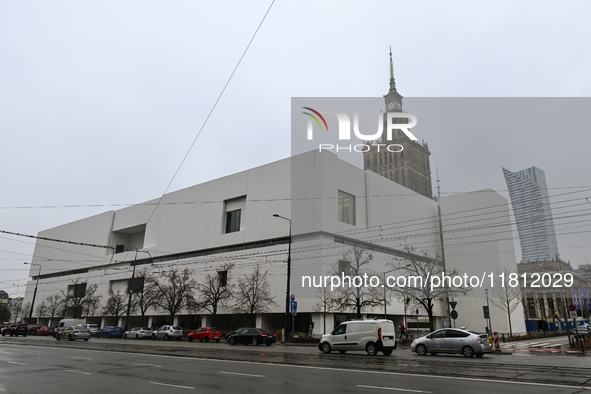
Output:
x=99 y=102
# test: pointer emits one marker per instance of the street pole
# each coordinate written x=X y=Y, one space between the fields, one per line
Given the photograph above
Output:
x=287 y=314
x=131 y=289
x=489 y=320
x=441 y=242
x=35 y=292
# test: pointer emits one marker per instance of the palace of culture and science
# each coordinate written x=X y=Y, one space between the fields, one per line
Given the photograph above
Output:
x=410 y=167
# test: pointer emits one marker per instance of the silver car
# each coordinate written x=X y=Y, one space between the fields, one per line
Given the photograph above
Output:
x=452 y=340
x=168 y=332
x=138 y=333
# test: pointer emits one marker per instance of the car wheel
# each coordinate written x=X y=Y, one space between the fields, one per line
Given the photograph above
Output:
x=217 y=340
x=255 y=342
x=342 y=351
x=206 y=339
x=11 y=334
x=86 y=339
x=479 y=355
x=326 y=348
x=371 y=349
x=24 y=335
x=3 y=333
x=421 y=350
x=190 y=338
x=467 y=351
x=58 y=337
x=137 y=336
x=201 y=340
x=387 y=352
x=179 y=338
x=268 y=344
x=165 y=338
x=71 y=337
x=433 y=354
x=153 y=337
x=125 y=336
x=232 y=341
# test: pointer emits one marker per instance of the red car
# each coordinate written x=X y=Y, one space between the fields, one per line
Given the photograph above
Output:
x=45 y=330
x=205 y=334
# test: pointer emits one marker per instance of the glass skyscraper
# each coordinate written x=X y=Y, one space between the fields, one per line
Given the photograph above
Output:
x=533 y=216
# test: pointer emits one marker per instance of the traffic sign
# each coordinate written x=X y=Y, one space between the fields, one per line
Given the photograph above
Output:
x=417 y=311
x=572 y=307
x=454 y=315
x=486 y=312
x=573 y=314
x=292 y=297
x=294 y=308
x=453 y=304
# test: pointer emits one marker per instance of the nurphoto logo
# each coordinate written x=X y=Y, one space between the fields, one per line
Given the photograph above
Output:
x=394 y=121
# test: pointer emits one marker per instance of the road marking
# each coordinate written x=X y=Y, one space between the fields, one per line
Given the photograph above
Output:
x=71 y=370
x=209 y=360
x=392 y=388
x=12 y=362
x=243 y=374
x=174 y=385
x=81 y=358
x=148 y=365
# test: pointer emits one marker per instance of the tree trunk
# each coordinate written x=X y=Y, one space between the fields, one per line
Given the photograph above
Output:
x=358 y=305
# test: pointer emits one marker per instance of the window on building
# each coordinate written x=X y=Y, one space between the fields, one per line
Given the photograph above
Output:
x=136 y=285
x=344 y=267
x=346 y=208
x=233 y=221
x=77 y=290
x=223 y=278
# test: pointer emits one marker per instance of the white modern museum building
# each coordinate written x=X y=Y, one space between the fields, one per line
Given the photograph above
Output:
x=333 y=206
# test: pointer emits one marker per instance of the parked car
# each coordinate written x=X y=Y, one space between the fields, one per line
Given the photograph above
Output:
x=168 y=332
x=452 y=340
x=33 y=329
x=93 y=328
x=110 y=332
x=205 y=334
x=16 y=330
x=138 y=333
x=369 y=335
x=228 y=335
x=254 y=336
x=72 y=333
x=45 y=330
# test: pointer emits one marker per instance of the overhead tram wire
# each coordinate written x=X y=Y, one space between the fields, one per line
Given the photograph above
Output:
x=210 y=112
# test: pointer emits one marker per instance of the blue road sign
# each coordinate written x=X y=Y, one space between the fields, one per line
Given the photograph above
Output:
x=294 y=308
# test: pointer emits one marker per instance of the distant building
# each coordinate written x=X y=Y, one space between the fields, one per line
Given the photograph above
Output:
x=410 y=167
x=533 y=215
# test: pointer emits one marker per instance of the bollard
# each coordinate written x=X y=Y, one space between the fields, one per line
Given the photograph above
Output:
x=497 y=345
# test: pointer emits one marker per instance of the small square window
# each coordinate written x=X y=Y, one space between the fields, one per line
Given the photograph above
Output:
x=223 y=278
x=233 y=221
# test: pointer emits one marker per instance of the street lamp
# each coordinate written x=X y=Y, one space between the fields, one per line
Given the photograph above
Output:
x=488 y=307
x=35 y=293
x=131 y=289
x=287 y=315
x=385 y=303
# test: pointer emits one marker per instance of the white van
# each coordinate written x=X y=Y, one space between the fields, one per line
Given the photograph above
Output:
x=70 y=322
x=369 y=335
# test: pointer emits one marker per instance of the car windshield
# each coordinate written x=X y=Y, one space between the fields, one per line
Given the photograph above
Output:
x=176 y=327
x=213 y=329
x=146 y=328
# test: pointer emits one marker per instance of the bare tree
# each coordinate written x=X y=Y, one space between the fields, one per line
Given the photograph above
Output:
x=146 y=298
x=4 y=312
x=355 y=264
x=216 y=291
x=324 y=304
x=23 y=314
x=417 y=268
x=253 y=295
x=116 y=305
x=175 y=288
x=78 y=296
x=506 y=298
x=54 y=306
x=41 y=310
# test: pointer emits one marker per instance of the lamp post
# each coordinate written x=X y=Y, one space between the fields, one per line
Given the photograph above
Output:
x=287 y=315
x=131 y=289
x=488 y=307
x=385 y=303
x=34 y=293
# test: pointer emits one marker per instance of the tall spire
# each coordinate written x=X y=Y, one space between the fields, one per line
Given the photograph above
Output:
x=392 y=81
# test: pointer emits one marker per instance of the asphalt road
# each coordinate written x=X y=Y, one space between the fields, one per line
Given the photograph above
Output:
x=44 y=365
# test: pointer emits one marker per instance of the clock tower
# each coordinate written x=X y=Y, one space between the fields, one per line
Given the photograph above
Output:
x=409 y=167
